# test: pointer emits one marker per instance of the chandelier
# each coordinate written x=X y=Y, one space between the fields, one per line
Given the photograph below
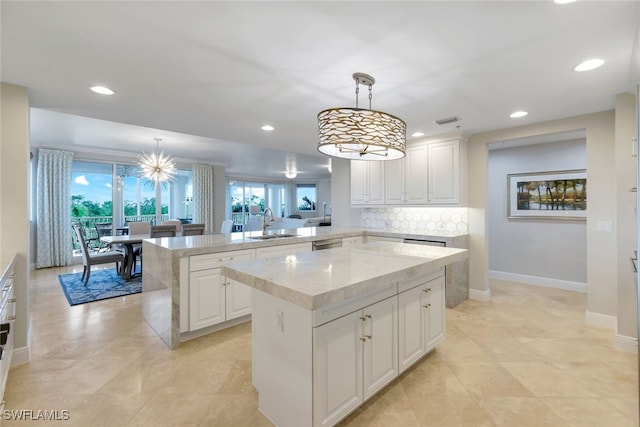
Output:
x=156 y=166
x=361 y=134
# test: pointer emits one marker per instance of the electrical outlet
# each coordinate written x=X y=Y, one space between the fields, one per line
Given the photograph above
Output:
x=279 y=320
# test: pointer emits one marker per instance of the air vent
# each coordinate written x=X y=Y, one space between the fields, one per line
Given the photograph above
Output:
x=447 y=120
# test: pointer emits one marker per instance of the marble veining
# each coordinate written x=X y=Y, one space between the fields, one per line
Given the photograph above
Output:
x=316 y=279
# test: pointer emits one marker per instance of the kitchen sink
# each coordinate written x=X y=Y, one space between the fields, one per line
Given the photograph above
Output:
x=273 y=236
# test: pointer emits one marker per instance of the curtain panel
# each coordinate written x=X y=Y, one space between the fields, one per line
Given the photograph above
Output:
x=53 y=208
x=203 y=196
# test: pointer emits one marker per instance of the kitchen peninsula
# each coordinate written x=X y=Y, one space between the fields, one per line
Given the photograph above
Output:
x=332 y=328
x=185 y=294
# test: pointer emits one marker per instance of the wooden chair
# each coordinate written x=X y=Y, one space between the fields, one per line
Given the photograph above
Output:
x=89 y=259
x=176 y=223
x=192 y=229
x=163 y=231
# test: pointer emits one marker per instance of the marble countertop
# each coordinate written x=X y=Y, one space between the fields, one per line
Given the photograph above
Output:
x=317 y=279
x=195 y=245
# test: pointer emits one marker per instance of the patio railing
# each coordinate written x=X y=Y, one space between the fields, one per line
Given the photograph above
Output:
x=91 y=234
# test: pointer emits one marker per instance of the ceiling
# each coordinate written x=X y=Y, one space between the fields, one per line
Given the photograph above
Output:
x=205 y=76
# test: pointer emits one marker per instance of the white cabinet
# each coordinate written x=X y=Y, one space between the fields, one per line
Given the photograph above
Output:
x=367 y=182
x=349 y=241
x=406 y=179
x=431 y=173
x=354 y=356
x=444 y=172
x=213 y=298
x=421 y=320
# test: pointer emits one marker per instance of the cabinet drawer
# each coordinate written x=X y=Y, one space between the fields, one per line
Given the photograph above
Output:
x=203 y=262
x=420 y=280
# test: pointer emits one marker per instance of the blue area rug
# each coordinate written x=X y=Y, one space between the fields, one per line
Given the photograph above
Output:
x=103 y=284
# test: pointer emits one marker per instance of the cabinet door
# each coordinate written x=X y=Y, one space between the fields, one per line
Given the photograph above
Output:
x=358 y=182
x=435 y=310
x=337 y=369
x=238 y=299
x=206 y=298
x=411 y=326
x=395 y=182
x=416 y=177
x=376 y=182
x=444 y=172
x=380 y=358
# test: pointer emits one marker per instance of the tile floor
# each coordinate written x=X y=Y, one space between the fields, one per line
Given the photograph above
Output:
x=525 y=358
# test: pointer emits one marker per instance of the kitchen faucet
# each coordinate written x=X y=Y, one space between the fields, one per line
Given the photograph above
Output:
x=264 y=220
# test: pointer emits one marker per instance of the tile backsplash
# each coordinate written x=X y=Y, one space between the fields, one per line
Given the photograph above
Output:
x=416 y=219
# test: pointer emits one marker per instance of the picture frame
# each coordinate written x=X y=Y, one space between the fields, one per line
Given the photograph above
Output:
x=553 y=195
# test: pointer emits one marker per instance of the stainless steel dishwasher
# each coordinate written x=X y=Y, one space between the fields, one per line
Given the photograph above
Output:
x=319 y=245
x=424 y=242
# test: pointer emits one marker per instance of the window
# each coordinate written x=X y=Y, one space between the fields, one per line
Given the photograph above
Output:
x=115 y=194
x=306 y=197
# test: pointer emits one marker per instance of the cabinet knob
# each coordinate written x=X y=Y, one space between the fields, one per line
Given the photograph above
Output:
x=363 y=318
x=12 y=299
x=427 y=306
x=11 y=318
x=368 y=316
x=368 y=336
x=363 y=339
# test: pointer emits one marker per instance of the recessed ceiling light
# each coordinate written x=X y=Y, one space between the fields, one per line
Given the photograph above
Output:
x=517 y=114
x=268 y=128
x=417 y=134
x=564 y=1
x=102 y=90
x=589 y=65
x=291 y=174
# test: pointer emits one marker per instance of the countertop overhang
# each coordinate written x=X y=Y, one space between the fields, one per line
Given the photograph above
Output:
x=317 y=279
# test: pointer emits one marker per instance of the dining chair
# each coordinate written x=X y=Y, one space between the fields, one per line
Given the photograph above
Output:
x=227 y=226
x=176 y=223
x=163 y=231
x=138 y=227
x=103 y=229
x=193 y=229
x=89 y=259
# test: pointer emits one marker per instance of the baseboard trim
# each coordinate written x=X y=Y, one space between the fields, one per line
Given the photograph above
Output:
x=480 y=295
x=539 y=281
x=602 y=320
x=626 y=343
x=20 y=356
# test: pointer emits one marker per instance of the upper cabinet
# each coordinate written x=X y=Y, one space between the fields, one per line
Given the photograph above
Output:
x=431 y=174
x=367 y=182
x=443 y=168
x=406 y=179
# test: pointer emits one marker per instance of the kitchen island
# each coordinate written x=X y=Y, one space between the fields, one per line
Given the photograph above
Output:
x=332 y=328
x=185 y=294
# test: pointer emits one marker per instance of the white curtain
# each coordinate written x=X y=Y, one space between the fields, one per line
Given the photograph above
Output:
x=203 y=196
x=53 y=217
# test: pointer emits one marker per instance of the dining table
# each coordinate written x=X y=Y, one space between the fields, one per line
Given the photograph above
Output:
x=127 y=241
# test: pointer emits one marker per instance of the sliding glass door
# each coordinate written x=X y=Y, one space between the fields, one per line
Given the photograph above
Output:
x=243 y=195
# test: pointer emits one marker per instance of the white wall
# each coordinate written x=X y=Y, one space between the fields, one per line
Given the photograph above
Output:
x=601 y=246
x=538 y=249
x=625 y=167
x=14 y=202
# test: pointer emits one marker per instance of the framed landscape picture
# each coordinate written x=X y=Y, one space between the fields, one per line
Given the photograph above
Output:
x=548 y=195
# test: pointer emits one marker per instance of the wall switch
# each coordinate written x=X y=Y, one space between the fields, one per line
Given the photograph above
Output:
x=279 y=320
